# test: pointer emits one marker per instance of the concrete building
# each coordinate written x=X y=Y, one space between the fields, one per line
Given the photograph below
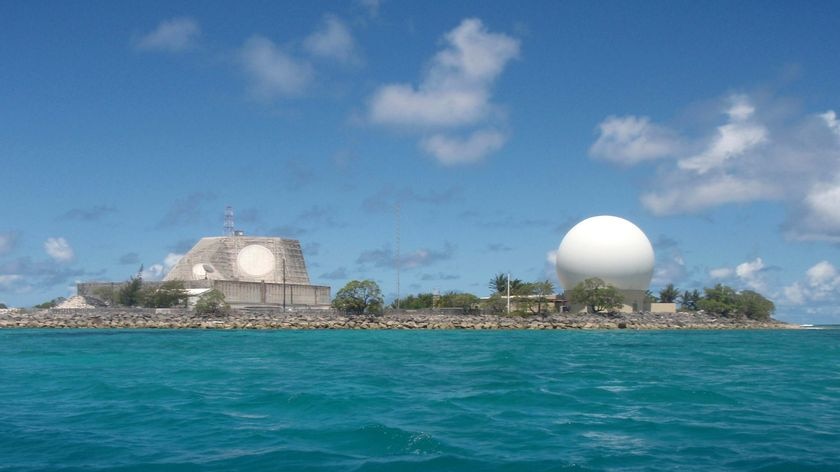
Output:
x=248 y=270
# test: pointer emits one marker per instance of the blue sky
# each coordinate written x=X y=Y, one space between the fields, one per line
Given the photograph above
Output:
x=127 y=127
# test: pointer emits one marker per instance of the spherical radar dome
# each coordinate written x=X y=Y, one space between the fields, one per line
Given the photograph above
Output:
x=610 y=248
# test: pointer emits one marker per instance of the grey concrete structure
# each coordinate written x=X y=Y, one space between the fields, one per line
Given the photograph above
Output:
x=249 y=271
x=243 y=258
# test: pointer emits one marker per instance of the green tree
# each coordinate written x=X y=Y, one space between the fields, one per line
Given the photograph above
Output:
x=359 y=296
x=415 y=302
x=688 y=300
x=753 y=305
x=467 y=302
x=596 y=295
x=719 y=299
x=169 y=294
x=131 y=294
x=3 y=306
x=499 y=284
x=543 y=290
x=669 y=294
x=212 y=302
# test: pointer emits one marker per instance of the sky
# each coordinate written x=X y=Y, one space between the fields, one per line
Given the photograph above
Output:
x=126 y=128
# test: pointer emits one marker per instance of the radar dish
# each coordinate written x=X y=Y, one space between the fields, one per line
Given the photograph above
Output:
x=255 y=260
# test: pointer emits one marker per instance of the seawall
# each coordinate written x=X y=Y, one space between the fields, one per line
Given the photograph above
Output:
x=330 y=319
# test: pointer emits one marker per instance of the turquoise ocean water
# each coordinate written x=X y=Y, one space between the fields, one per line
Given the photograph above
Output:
x=413 y=400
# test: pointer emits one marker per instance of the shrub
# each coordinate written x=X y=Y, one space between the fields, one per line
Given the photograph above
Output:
x=212 y=303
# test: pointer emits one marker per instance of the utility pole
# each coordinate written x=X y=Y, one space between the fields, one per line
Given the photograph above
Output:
x=284 y=283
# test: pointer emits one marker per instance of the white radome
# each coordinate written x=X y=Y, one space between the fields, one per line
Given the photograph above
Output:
x=610 y=248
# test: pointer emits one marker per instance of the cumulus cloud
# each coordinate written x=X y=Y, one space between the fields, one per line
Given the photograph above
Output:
x=822 y=283
x=333 y=40
x=748 y=274
x=159 y=270
x=273 y=72
x=721 y=273
x=173 y=35
x=761 y=149
x=59 y=249
x=451 y=150
x=455 y=92
x=632 y=139
x=733 y=139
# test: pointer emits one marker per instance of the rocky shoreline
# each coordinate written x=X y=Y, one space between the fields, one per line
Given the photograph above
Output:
x=330 y=319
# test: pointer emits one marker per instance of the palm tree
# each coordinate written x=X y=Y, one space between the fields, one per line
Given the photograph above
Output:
x=669 y=294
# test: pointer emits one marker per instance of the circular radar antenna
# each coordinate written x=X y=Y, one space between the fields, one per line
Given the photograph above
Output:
x=255 y=260
x=610 y=248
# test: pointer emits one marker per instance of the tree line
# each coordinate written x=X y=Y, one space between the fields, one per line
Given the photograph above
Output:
x=365 y=296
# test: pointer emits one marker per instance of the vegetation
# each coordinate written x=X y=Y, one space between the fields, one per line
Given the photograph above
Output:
x=721 y=300
x=669 y=294
x=596 y=295
x=753 y=305
x=359 y=296
x=499 y=284
x=212 y=302
x=50 y=304
x=725 y=301
x=132 y=293
x=3 y=306
x=169 y=294
x=688 y=300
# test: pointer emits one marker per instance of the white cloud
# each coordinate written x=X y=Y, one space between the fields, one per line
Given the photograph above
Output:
x=764 y=150
x=633 y=139
x=273 y=72
x=721 y=273
x=795 y=294
x=453 y=150
x=551 y=257
x=706 y=194
x=159 y=270
x=333 y=40
x=830 y=119
x=59 y=249
x=822 y=284
x=8 y=281
x=174 y=35
x=750 y=273
x=733 y=139
x=455 y=92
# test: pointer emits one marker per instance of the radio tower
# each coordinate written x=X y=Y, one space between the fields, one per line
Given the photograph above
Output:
x=229 y=226
x=397 y=259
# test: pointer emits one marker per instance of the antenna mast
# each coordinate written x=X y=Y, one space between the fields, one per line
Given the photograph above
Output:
x=397 y=259
x=229 y=226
